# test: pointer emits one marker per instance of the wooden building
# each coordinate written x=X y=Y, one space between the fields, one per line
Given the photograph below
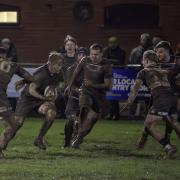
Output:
x=42 y=25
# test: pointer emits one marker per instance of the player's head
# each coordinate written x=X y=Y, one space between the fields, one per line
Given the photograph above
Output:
x=145 y=40
x=163 y=50
x=70 y=44
x=6 y=43
x=113 y=42
x=96 y=53
x=55 y=62
x=81 y=52
x=149 y=58
x=2 y=52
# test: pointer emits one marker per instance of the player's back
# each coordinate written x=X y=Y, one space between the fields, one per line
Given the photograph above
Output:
x=156 y=78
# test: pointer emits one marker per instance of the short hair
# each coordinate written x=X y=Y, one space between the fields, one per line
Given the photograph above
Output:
x=113 y=39
x=145 y=35
x=6 y=40
x=70 y=38
x=151 y=56
x=96 y=46
x=163 y=44
x=55 y=57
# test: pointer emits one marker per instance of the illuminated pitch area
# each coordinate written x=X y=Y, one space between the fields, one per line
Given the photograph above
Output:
x=108 y=153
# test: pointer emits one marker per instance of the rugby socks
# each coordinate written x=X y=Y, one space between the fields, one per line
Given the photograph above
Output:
x=164 y=142
x=68 y=131
x=45 y=127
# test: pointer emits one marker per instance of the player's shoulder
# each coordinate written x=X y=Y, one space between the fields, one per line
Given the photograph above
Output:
x=41 y=69
x=41 y=72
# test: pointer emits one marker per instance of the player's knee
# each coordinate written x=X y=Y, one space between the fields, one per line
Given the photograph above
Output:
x=92 y=116
x=18 y=122
x=51 y=114
x=8 y=132
x=148 y=124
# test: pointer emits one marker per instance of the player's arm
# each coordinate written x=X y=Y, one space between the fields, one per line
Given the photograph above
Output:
x=74 y=76
x=27 y=78
x=132 y=95
x=33 y=91
x=134 y=91
x=140 y=78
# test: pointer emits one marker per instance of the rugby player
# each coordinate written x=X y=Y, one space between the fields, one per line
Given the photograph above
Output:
x=35 y=95
x=163 y=51
x=72 y=107
x=164 y=105
x=7 y=70
x=97 y=79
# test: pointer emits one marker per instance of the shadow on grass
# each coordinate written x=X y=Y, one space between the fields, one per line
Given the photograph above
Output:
x=92 y=153
x=101 y=149
x=109 y=151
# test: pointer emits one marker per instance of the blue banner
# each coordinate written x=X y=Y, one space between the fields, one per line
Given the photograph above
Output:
x=123 y=81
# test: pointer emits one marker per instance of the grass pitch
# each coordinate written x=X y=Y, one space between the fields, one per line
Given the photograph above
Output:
x=108 y=153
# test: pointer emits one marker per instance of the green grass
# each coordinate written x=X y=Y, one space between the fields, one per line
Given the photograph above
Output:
x=108 y=153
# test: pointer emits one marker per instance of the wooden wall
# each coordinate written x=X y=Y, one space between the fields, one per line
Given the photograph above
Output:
x=44 y=27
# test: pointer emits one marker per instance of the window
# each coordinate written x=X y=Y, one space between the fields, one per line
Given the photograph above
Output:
x=132 y=16
x=9 y=15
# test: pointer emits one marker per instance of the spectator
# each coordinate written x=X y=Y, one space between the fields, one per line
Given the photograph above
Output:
x=116 y=56
x=11 y=53
x=137 y=53
x=114 y=53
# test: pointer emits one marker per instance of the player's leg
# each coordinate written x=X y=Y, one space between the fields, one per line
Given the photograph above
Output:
x=24 y=106
x=168 y=131
x=143 y=139
x=49 y=110
x=8 y=127
x=70 y=128
x=151 y=122
x=173 y=123
x=85 y=127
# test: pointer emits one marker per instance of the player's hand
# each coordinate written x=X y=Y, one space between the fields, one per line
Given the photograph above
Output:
x=18 y=85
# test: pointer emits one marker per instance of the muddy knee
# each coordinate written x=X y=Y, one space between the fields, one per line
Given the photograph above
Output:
x=51 y=114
